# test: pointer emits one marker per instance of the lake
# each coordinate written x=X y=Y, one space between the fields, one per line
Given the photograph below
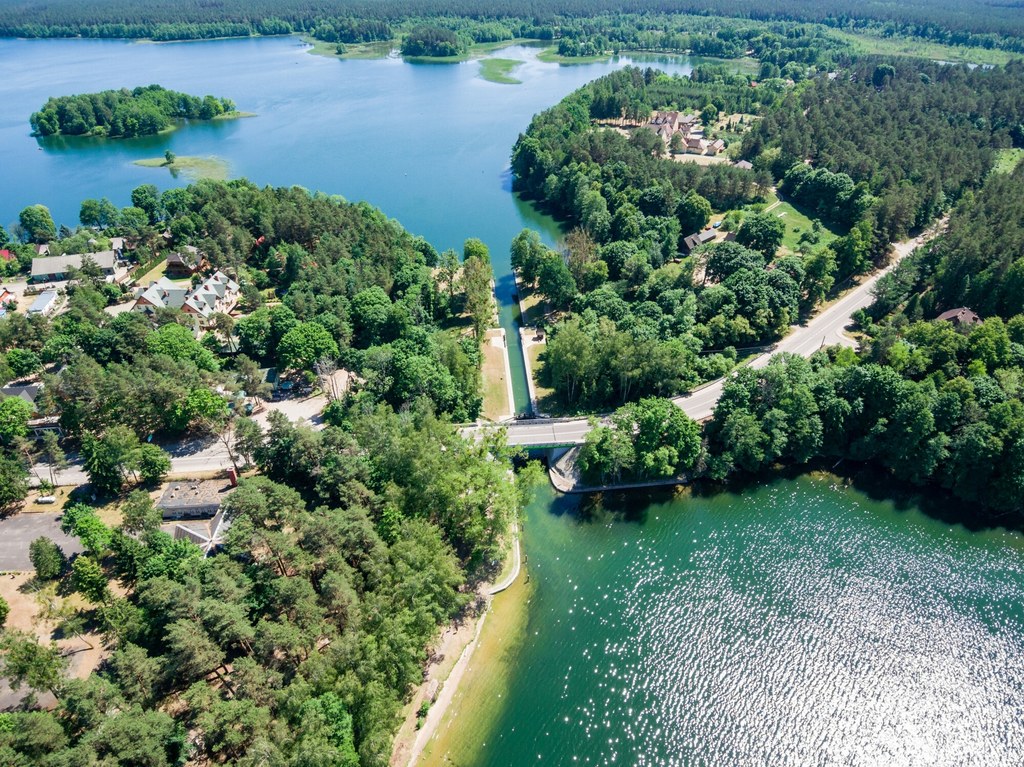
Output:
x=797 y=623
x=427 y=143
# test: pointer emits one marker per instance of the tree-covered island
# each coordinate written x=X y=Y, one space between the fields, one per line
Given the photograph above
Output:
x=125 y=113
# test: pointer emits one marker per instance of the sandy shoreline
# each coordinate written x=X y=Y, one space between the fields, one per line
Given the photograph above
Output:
x=463 y=638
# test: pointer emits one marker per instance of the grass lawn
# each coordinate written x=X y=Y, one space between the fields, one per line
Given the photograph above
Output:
x=193 y=168
x=236 y=115
x=376 y=50
x=864 y=43
x=532 y=304
x=1007 y=160
x=495 y=386
x=499 y=70
x=797 y=222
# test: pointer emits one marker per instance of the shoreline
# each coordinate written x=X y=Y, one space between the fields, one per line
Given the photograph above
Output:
x=409 y=753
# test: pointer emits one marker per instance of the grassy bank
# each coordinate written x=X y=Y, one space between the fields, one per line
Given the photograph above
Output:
x=194 y=168
x=236 y=115
x=551 y=56
x=902 y=46
x=470 y=719
x=499 y=70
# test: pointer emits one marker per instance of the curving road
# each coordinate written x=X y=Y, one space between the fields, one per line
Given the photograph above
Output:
x=827 y=328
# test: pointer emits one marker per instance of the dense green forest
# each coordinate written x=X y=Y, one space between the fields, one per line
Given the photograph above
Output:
x=875 y=150
x=932 y=401
x=297 y=644
x=124 y=113
x=949 y=21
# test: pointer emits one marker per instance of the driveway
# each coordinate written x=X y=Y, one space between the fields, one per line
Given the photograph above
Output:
x=19 y=530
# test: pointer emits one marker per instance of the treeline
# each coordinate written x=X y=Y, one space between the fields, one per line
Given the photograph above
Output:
x=947 y=21
x=934 y=402
x=889 y=144
x=428 y=40
x=123 y=113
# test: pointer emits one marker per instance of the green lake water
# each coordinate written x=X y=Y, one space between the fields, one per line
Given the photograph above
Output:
x=799 y=623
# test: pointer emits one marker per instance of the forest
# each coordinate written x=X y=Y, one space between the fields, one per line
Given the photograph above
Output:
x=955 y=22
x=934 y=402
x=876 y=151
x=299 y=641
x=124 y=113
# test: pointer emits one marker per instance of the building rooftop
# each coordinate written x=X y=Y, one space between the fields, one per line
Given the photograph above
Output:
x=45 y=266
x=194 y=498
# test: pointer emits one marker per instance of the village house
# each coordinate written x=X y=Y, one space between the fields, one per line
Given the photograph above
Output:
x=55 y=268
x=185 y=263
x=194 y=499
x=961 y=317
x=697 y=239
x=162 y=294
x=45 y=303
x=716 y=147
x=744 y=165
x=219 y=293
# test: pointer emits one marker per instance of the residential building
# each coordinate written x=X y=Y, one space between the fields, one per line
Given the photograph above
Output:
x=183 y=264
x=162 y=294
x=218 y=293
x=960 y=316
x=45 y=303
x=194 y=499
x=744 y=165
x=54 y=268
x=697 y=239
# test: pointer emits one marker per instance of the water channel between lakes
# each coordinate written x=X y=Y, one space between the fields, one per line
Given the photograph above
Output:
x=801 y=622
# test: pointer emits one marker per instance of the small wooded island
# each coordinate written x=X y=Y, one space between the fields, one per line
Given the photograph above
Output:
x=125 y=113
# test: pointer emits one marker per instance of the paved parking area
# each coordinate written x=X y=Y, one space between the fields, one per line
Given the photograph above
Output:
x=18 y=531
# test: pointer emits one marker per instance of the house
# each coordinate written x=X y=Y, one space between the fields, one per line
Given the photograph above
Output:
x=45 y=303
x=696 y=144
x=219 y=293
x=744 y=165
x=961 y=316
x=162 y=294
x=117 y=245
x=194 y=499
x=716 y=147
x=667 y=120
x=209 y=535
x=28 y=392
x=7 y=256
x=42 y=250
x=54 y=268
x=697 y=239
x=7 y=297
x=183 y=265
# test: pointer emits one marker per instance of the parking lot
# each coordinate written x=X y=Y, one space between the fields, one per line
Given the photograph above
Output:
x=19 y=530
